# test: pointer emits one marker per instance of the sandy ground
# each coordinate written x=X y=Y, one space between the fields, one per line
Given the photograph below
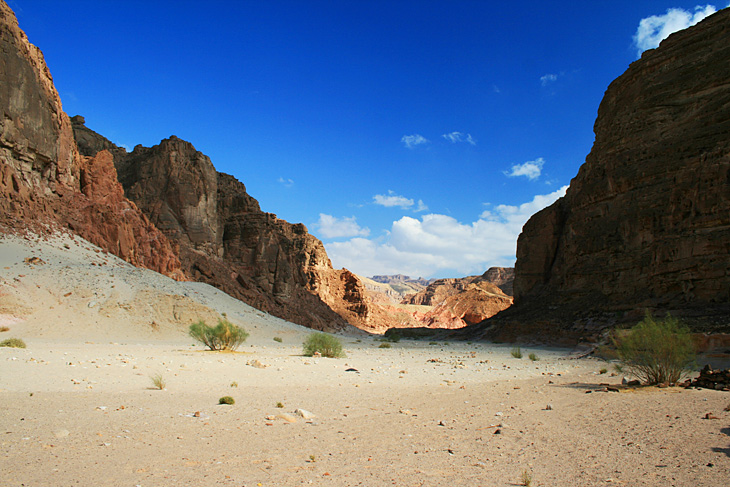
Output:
x=78 y=407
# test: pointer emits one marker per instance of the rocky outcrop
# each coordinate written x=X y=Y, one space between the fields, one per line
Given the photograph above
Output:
x=45 y=182
x=477 y=302
x=646 y=222
x=392 y=289
x=440 y=289
x=225 y=240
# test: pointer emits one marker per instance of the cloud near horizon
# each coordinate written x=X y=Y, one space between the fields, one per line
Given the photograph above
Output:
x=439 y=244
x=654 y=29
x=411 y=141
x=530 y=169
x=329 y=226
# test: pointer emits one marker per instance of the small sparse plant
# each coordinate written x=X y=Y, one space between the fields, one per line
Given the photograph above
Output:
x=516 y=352
x=603 y=371
x=618 y=368
x=4 y=328
x=526 y=478
x=657 y=351
x=385 y=345
x=327 y=345
x=226 y=400
x=433 y=343
x=13 y=343
x=279 y=404
x=234 y=384
x=158 y=381
x=533 y=356
x=278 y=339
x=312 y=458
x=225 y=336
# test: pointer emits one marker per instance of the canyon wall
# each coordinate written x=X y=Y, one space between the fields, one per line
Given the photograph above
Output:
x=646 y=222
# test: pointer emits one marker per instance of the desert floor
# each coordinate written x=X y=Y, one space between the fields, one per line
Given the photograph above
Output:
x=78 y=406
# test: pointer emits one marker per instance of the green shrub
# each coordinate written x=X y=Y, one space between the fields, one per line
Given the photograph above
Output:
x=13 y=343
x=226 y=400
x=516 y=352
x=384 y=345
x=657 y=352
x=278 y=339
x=603 y=370
x=325 y=344
x=533 y=356
x=279 y=404
x=225 y=336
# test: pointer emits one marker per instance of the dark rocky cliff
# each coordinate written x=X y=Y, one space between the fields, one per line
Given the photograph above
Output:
x=646 y=222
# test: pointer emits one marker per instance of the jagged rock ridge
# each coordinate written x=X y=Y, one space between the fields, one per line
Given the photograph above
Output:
x=646 y=222
x=225 y=239
x=440 y=289
x=45 y=182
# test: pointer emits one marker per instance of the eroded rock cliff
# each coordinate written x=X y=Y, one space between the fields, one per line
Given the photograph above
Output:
x=225 y=240
x=45 y=182
x=646 y=222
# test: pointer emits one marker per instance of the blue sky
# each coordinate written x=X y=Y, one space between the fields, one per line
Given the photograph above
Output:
x=410 y=137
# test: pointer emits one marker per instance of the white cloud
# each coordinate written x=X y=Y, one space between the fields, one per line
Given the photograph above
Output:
x=392 y=200
x=654 y=29
x=286 y=182
x=548 y=78
x=421 y=206
x=440 y=244
x=332 y=227
x=455 y=137
x=529 y=169
x=414 y=140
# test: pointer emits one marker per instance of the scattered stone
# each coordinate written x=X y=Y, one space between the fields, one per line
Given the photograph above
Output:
x=710 y=416
x=352 y=370
x=304 y=414
x=718 y=380
x=62 y=433
x=549 y=407
x=633 y=383
x=256 y=363
x=287 y=417
x=498 y=431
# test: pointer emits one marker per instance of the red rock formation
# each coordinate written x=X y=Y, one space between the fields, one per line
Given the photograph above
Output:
x=472 y=305
x=646 y=222
x=226 y=240
x=43 y=179
x=440 y=289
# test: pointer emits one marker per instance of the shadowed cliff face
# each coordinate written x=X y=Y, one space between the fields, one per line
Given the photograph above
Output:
x=646 y=222
x=44 y=181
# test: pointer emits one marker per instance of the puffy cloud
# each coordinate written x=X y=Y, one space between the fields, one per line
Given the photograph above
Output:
x=437 y=243
x=421 y=206
x=455 y=137
x=548 y=78
x=654 y=29
x=329 y=226
x=393 y=200
x=411 y=141
x=530 y=169
x=286 y=182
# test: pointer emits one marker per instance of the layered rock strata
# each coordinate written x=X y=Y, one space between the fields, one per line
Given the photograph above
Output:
x=44 y=181
x=440 y=289
x=646 y=222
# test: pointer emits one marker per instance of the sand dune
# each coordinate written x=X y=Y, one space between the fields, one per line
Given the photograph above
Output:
x=78 y=407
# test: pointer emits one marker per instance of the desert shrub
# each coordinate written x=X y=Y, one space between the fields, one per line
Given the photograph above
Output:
x=279 y=404
x=657 y=351
x=158 y=381
x=13 y=343
x=4 y=328
x=516 y=352
x=325 y=344
x=526 y=478
x=278 y=339
x=384 y=345
x=603 y=370
x=224 y=336
x=234 y=384
x=226 y=400
x=533 y=356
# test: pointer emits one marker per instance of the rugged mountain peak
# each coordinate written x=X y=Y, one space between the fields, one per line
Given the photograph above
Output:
x=646 y=222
